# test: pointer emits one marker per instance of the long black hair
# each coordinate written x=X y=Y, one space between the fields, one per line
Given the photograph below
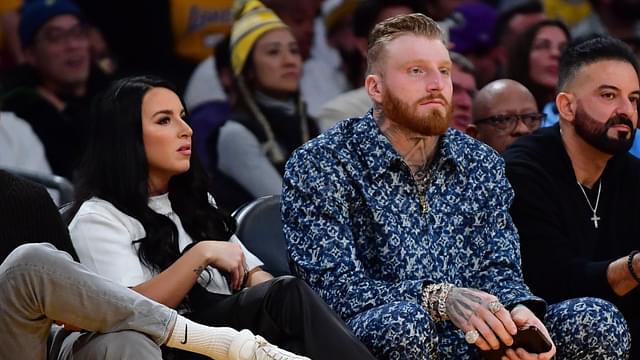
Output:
x=518 y=68
x=114 y=168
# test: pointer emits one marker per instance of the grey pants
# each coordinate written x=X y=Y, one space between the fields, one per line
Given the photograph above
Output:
x=39 y=284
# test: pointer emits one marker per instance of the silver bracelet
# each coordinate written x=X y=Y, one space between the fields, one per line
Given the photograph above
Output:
x=434 y=300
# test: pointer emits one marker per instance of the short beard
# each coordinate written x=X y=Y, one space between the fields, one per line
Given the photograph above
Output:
x=435 y=123
x=596 y=133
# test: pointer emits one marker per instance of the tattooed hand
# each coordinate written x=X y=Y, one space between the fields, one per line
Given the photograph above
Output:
x=468 y=309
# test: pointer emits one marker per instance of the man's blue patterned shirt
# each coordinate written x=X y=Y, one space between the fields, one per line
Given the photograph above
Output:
x=361 y=237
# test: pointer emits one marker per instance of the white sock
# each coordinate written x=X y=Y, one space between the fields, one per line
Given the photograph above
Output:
x=213 y=342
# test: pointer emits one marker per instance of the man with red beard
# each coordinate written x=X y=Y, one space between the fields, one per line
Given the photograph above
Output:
x=402 y=225
x=577 y=189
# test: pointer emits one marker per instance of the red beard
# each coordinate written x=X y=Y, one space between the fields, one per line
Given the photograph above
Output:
x=435 y=123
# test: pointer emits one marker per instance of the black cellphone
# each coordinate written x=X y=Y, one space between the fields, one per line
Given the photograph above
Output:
x=529 y=338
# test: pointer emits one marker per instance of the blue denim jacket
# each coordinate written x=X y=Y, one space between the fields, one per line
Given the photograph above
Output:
x=361 y=237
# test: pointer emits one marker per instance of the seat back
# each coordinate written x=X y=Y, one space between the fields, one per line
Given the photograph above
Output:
x=55 y=182
x=260 y=230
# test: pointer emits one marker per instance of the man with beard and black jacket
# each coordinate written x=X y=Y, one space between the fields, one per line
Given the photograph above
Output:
x=577 y=196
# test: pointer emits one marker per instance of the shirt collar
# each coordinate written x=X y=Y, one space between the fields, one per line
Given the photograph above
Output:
x=380 y=155
x=161 y=204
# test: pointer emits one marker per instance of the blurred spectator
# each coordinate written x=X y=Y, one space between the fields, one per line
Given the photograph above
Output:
x=204 y=83
x=299 y=15
x=268 y=120
x=58 y=83
x=20 y=147
x=618 y=18
x=534 y=61
x=356 y=102
x=334 y=16
x=474 y=37
x=207 y=116
x=514 y=18
x=10 y=49
x=464 y=89
x=141 y=35
x=323 y=77
x=11 y=53
x=439 y=10
x=341 y=38
x=503 y=111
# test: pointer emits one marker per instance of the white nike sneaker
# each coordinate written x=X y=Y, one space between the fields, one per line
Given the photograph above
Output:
x=247 y=346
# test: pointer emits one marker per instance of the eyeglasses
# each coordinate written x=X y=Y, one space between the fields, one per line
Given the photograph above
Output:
x=57 y=36
x=509 y=122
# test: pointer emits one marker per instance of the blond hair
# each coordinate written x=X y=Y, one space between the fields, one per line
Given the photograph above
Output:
x=386 y=31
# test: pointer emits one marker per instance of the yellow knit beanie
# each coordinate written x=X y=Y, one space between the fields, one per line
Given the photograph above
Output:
x=253 y=20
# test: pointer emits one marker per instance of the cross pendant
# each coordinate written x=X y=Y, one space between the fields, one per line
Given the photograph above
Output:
x=595 y=219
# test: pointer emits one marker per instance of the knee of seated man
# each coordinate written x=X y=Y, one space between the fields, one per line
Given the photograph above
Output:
x=402 y=328
x=30 y=253
x=587 y=310
x=594 y=321
x=396 y=319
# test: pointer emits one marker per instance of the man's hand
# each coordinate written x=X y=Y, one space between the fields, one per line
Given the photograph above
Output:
x=469 y=309
x=522 y=316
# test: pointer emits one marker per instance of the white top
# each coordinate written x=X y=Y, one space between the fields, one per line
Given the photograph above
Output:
x=320 y=83
x=204 y=85
x=353 y=103
x=241 y=157
x=20 y=147
x=103 y=237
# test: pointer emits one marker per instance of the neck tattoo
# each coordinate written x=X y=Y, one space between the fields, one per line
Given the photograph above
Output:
x=594 y=209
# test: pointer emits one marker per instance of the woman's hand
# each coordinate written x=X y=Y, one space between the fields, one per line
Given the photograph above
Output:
x=469 y=309
x=228 y=257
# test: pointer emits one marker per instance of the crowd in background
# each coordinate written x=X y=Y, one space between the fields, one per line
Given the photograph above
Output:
x=262 y=96
x=52 y=66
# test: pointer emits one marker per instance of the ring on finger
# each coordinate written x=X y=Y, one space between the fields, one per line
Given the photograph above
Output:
x=495 y=306
x=472 y=336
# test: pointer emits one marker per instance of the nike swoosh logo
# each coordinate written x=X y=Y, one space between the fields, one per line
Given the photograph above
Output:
x=185 y=335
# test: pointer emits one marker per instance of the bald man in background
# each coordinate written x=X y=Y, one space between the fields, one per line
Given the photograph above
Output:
x=503 y=111
x=463 y=77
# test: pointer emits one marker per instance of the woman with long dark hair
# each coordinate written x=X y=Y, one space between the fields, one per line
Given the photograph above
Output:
x=143 y=217
x=534 y=60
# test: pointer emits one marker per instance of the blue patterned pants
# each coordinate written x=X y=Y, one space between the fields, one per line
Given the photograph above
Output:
x=582 y=329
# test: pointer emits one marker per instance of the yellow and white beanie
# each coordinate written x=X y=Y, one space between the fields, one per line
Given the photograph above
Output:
x=252 y=21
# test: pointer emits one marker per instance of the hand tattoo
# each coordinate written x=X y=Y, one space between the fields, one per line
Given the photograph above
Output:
x=461 y=302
